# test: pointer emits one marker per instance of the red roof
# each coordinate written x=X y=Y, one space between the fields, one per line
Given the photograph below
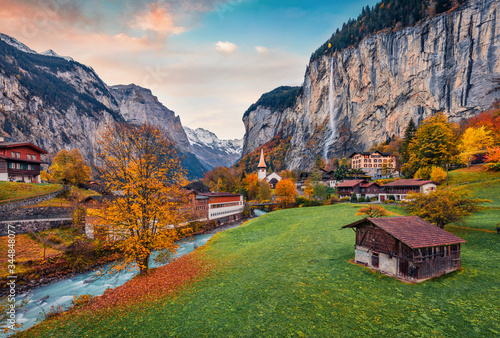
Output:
x=22 y=144
x=217 y=194
x=412 y=231
x=408 y=182
x=350 y=183
x=366 y=185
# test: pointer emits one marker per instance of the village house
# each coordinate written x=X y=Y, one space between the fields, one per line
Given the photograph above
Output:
x=408 y=248
x=376 y=164
x=401 y=188
x=20 y=161
x=273 y=178
x=361 y=188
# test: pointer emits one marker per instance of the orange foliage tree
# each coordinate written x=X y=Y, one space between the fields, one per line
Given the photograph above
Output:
x=68 y=166
x=142 y=165
x=372 y=211
x=285 y=192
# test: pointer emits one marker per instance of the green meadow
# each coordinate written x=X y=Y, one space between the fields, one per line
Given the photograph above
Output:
x=288 y=273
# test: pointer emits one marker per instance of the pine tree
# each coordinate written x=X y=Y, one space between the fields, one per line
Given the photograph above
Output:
x=410 y=131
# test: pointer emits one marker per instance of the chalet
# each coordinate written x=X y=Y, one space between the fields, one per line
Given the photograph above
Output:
x=408 y=248
x=361 y=188
x=376 y=164
x=20 y=161
x=273 y=179
x=400 y=188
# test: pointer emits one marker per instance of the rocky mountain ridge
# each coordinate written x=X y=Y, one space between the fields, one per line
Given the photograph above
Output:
x=367 y=93
x=212 y=151
x=57 y=103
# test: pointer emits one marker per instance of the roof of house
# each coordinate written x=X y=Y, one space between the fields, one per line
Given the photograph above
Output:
x=408 y=182
x=100 y=198
x=370 y=152
x=366 y=185
x=198 y=187
x=412 y=231
x=22 y=144
x=218 y=194
x=262 y=163
x=351 y=183
x=273 y=180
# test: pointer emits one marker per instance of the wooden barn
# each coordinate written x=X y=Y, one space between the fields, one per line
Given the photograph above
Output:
x=408 y=248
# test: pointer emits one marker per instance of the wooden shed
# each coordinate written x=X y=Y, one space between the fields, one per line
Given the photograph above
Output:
x=408 y=248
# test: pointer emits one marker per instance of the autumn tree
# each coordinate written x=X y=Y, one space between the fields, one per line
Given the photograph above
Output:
x=142 y=165
x=442 y=207
x=285 y=192
x=372 y=211
x=222 y=179
x=493 y=159
x=438 y=174
x=434 y=145
x=68 y=166
x=474 y=141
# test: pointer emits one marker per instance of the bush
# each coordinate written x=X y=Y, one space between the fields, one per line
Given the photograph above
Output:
x=344 y=199
x=391 y=197
x=81 y=300
x=373 y=199
x=361 y=199
x=55 y=238
x=334 y=200
x=438 y=174
x=493 y=166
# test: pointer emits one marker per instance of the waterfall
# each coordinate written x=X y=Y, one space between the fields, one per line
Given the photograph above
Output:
x=333 y=132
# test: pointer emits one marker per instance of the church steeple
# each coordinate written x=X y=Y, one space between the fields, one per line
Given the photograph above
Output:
x=262 y=166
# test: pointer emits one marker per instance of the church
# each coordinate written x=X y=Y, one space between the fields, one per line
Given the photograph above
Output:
x=272 y=178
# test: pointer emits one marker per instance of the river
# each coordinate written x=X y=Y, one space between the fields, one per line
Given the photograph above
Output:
x=61 y=293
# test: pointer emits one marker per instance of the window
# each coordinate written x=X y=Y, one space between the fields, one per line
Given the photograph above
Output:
x=12 y=154
x=12 y=165
x=28 y=156
x=33 y=157
x=18 y=155
x=18 y=166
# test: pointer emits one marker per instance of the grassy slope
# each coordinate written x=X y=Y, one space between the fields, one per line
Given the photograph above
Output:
x=9 y=190
x=288 y=274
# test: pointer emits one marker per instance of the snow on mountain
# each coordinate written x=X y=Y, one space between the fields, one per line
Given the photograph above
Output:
x=14 y=43
x=50 y=52
x=212 y=151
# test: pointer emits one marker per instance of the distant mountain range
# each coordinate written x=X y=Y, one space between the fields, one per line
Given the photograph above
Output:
x=57 y=103
x=211 y=151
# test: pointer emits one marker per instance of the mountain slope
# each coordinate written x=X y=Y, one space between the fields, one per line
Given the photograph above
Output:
x=211 y=151
x=57 y=103
x=368 y=92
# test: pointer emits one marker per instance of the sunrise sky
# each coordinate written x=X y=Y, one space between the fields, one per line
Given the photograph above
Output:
x=207 y=60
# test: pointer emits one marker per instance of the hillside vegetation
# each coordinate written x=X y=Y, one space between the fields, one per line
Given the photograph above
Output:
x=10 y=190
x=288 y=273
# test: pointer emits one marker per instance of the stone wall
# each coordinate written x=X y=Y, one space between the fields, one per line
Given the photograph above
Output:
x=24 y=227
x=35 y=213
x=28 y=201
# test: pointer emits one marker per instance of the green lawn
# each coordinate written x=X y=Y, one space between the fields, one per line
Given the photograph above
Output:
x=10 y=190
x=287 y=273
x=476 y=173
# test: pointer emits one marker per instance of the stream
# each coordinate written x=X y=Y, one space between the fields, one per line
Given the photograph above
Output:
x=61 y=293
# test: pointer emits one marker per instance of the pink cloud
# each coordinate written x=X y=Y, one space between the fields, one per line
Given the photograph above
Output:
x=157 y=19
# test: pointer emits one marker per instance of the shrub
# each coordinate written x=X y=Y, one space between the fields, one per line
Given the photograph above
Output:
x=54 y=311
x=55 y=238
x=361 y=199
x=391 y=197
x=438 y=174
x=344 y=199
x=81 y=300
x=373 y=199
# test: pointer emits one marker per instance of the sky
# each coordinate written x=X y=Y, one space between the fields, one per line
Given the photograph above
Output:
x=207 y=60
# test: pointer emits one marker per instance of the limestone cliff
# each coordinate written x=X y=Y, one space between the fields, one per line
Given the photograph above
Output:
x=367 y=93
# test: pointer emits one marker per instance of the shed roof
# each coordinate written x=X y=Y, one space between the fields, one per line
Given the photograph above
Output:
x=412 y=231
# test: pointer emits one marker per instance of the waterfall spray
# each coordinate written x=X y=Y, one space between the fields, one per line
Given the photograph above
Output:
x=333 y=132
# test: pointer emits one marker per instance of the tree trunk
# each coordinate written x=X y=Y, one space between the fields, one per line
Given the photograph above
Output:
x=144 y=265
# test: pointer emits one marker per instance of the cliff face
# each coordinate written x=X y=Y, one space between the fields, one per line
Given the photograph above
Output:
x=368 y=93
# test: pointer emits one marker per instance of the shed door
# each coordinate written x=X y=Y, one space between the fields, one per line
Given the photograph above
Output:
x=375 y=260
x=403 y=267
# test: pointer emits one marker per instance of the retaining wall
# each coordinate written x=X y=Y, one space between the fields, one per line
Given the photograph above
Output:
x=24 y=227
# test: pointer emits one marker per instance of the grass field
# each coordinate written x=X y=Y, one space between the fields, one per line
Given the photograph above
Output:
x=10 y=190
x=287 y=273
x=76 y=194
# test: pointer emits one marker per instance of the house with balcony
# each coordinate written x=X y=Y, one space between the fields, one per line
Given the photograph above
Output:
x=376 y=164
x=401 y=188
x=361 y=188
x=20 y=161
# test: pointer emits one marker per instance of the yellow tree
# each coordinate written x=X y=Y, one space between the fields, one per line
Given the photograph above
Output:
x=141 y=164
x=69 y=167
x=285 y=192
x=474 y=141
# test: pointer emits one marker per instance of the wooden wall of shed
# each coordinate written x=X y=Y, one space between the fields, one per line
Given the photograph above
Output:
x=375 y=239
x=435 y=261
